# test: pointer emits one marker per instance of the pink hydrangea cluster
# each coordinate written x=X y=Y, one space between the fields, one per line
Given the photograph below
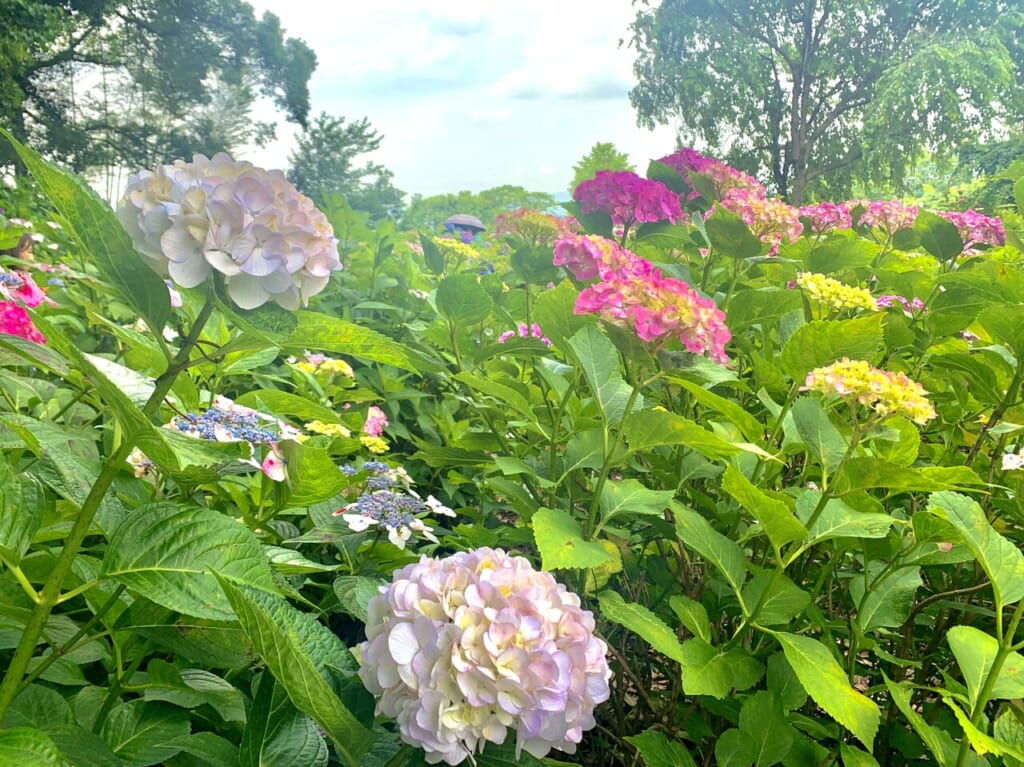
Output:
x=769 y=218
x=659 y=308
x=525 y=331
x=889 y=215
x=590 y=256
x=460 y=650
x=376 y=421
x=826 y=216
x=724 y=177
x=628 y=198
x=535 y=227
x=268 y=241
x=14 y=321
x=976 y=229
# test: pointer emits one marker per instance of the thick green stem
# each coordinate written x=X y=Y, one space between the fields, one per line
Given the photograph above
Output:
x=51 y=593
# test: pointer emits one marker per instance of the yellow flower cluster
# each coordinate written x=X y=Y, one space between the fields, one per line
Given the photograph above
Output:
x=327 y=429
x=885 y=392
x=331 y=367
x=456 y=249
x=833 y=293
x=374 y=444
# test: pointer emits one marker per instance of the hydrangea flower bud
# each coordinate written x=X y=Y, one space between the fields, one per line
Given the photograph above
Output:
x=460 y=650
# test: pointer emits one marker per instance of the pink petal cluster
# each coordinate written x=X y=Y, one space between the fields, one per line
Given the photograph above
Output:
x=14 y=321
x=525 y=331
x=535 y=227
x=376 y=421
x=976 y=229
x=917 y=305
x=251 y=225
x=724 y=177
x=628 y=198
x=770 y=219
x=826 y=216
x=589 y=256
x=889 y=215
x=460 y=650
x=659 y=308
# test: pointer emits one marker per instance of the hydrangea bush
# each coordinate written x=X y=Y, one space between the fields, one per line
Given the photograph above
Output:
x=689 y=477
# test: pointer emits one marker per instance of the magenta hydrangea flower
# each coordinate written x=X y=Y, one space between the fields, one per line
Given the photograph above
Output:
x=462 y=649
x=268 y=241
x=826 y=216
x=976 y=229
x=628 y=198
x=14 y=321
x=724 y=177
x=916 y=305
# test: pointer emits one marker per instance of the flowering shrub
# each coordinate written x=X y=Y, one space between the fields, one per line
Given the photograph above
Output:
x=809 y=555
x=459 y=650
x=251 y=226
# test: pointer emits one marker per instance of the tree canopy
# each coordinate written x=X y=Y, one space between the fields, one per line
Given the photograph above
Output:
x=323 y=163
x=430 y=212
x=810 y=93
x=602 y=156
x=102 y=83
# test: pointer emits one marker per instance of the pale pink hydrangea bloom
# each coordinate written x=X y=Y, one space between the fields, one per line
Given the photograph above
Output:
x=460 y=650
x=770 y=219
x=724 y=177
x=376 y=421
x=628 y=198
x=889 y=215
x=916 y=305
x=251 y=225
x=826 y=216
x=976 y=229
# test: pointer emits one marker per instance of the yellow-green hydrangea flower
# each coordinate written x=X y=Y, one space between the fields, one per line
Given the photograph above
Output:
x=885 y=392
x=833 y=293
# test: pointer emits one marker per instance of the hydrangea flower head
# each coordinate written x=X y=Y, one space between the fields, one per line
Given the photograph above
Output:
x=628 y=198
x=976 y=229
x=658 y=308
x=535 y=227
x=14 y=321
x=888 y=215
x=826 y=216
x=268 y=241
x=910 y=307
x=460 y=650
x=376 y=420
x=834 y=294
x=770 y=219
x=883 y=391
x=226 y=421
x=724 y=177
x=589 y=256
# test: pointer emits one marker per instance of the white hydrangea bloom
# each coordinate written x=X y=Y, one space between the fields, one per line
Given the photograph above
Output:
x=251 y=225
x=461 y=649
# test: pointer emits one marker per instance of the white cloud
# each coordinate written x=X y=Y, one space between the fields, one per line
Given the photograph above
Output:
x=472 y=94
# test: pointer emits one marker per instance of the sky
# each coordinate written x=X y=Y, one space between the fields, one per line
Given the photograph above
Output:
x=472 y=94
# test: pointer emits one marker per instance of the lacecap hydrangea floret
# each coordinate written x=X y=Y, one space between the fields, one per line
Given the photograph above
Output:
x=885 y=392
x=268 y=241
x=833 y=293
x=460 y=650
